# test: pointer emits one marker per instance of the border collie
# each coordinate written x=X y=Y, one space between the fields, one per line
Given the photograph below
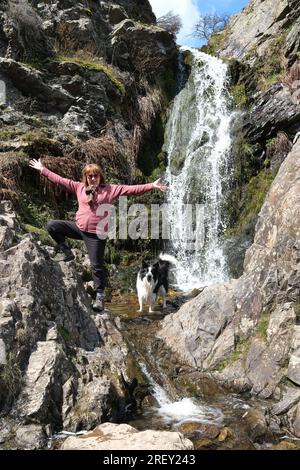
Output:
x=152 y=279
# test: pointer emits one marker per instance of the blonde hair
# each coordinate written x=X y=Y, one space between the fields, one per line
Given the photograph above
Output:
x=92 y=168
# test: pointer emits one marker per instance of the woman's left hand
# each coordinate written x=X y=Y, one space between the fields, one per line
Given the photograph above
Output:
x=159 y=185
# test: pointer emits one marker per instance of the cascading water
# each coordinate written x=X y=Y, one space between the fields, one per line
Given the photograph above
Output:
x=176 y=412
x=197 y=142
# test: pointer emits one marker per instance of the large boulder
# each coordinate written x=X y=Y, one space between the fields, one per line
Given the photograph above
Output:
x=109 y=436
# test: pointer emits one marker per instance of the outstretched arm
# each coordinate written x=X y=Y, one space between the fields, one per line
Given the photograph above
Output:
x=136 y=189
x=66 y=183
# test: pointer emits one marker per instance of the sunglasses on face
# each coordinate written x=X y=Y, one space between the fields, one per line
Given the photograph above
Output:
x=92 y=176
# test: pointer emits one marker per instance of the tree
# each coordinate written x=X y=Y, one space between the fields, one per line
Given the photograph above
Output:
x=209 y=25
x=170 y=22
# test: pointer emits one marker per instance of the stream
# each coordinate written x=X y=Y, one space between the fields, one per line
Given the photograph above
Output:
x=182 y=398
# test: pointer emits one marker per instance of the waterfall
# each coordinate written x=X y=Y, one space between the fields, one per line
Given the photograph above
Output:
x=197 y=143
x=176 y=412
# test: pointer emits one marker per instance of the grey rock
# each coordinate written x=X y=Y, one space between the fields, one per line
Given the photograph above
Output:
x=293 y=42
x=116 y=14
x=291 y=396
x=273 y=110
x=30 y=437
x=253 y=30
x=31 y=82
x=293 y=372
x=294 y=417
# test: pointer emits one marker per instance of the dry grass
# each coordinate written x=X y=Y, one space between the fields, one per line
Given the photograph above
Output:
x=11 y=173
x=106 y=152
x=67 y=41
x=147 y=63
x=63 y=166
x=148 y=107
x=16 y=175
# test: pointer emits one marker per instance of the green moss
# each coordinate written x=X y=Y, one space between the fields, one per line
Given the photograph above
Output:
x=261 y=329
x=41 y=233
x=65 y=334
x=91 y=64
x=133 y=369
x=241 y=349
x=251 y=200
x=254 y=197
x=238 y=93
x=215 y=42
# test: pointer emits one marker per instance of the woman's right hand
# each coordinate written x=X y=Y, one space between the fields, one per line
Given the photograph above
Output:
x=36 y=164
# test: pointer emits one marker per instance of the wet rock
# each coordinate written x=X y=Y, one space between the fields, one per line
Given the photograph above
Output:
x=208 y=431
x=255 y=422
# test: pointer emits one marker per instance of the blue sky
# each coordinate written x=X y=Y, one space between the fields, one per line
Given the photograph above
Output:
x=190 y=10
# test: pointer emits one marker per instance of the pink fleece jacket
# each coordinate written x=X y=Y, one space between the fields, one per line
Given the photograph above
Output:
x=86 y=217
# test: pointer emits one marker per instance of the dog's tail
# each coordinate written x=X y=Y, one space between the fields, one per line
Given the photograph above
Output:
x=168 y=258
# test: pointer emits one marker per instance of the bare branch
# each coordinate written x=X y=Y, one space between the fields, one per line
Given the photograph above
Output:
x=170 y=22
x=209 y=25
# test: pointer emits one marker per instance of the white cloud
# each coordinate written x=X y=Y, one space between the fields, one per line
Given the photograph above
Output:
x=186 y=9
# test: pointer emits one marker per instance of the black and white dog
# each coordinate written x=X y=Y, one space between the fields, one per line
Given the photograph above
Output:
x=152 y=279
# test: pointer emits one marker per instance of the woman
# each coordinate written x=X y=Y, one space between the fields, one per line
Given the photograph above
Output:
x=90 y=193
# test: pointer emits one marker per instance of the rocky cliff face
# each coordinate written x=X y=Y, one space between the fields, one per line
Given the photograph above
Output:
x=246 y=332
x=83 y=81
x=252 y=32
x=59 y=365
x=262 y=46
x=247 y=329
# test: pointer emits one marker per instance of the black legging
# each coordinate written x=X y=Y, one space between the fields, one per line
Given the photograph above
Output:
x=60 y=229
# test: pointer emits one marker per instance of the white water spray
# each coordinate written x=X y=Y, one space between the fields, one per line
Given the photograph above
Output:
x=197 y=142
x=177 y=412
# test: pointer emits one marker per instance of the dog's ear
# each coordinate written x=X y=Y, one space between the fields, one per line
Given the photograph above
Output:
x=155 y=265
x=144 y=264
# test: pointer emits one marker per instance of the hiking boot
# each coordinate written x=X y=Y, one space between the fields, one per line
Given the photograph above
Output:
x=64 y=253
x=98 y=305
